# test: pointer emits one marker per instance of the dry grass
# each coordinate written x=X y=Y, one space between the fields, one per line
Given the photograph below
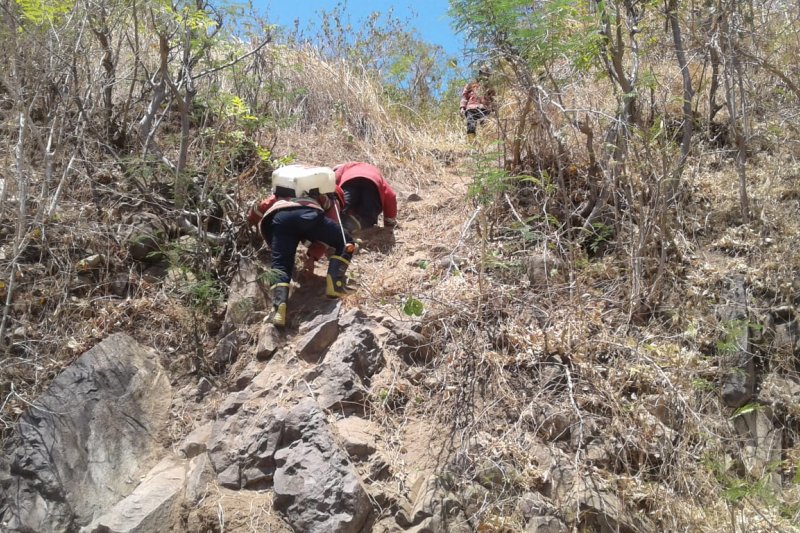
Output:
x=523 y=360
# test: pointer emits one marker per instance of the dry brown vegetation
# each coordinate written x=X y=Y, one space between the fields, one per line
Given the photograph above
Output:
x=573 y=309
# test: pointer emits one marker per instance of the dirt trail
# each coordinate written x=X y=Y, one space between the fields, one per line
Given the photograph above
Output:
x=430 y=220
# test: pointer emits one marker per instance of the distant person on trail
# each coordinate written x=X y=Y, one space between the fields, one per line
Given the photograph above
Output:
x=366 y=195
x=477 y=101
x=289 y=216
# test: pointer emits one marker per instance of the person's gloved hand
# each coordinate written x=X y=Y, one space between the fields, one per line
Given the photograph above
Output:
x=389 y=222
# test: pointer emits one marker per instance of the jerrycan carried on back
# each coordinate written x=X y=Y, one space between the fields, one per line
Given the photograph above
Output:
x=303 y=180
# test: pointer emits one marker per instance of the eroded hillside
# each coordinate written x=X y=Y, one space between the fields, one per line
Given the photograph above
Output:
x=585 y=321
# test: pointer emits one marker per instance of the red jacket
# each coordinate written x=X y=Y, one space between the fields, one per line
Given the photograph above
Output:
x=273 y=204
x=347 y=171
x=477 y=95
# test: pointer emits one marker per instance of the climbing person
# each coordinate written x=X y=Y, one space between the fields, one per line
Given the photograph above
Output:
x=304 y=206
x=477 y=101
x=366 y=195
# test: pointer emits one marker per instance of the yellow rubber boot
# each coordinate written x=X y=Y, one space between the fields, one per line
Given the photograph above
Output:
x=336 y=281
x=280 y=294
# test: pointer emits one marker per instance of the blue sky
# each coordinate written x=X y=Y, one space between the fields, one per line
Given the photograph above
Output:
x=429 y=17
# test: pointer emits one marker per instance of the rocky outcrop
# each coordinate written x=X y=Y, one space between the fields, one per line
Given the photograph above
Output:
x=318 y=334
x=569 y=490
x=431 y=507
x=158 y=501
x=357 y=437
x=150 y=505
x=95 y=430
x=274 y=433
x=316 y=487
x=298 y=425
x=242 y=447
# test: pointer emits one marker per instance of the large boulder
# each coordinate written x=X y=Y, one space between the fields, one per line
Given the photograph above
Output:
x=248 y=430
x=316 y=487
x=340 y=381
x=157 y=504
x=242 y=447
x=83 y=442
x=318 y=334
x=153 y=505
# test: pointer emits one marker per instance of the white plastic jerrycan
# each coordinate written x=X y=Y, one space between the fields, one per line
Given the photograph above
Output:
x=304 y=179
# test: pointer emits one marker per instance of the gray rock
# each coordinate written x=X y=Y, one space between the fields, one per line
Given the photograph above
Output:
x=433 y=509
x=335 y=384
x=200 y=480
x=413 y=197
x=542 y=267
x=786 y=339
x=533 y=504
x=412 y=346
x=598 y=456
x=783 y=314
x=242 y=447
x=387 y=525
x=449 y=262
x=245 y=297
x=269 y=340
x=353 y=317
x=249 y=429
x=316 y=488
x=762 y=444
x=155 y=273
x=146 y=238
x=196 y=442
x=378 y=468
x=738 y=382
x=357 y=437
x=552 y=376
x=339 y=381
x=386 y=498
x=358 y=347
x=258 y=464
x=546 y=524
x=553 y=423
x=152 y=506
x=601 y=509
x=319 y=334
x=780 y=392
x=119 y=284
x=92 y=262
x=227 y=350
x=420 y=504
x=246 y=376
x=232 y=403
x=474 y=498
x=204 y=386
x=94 y=430
x=231 y=477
